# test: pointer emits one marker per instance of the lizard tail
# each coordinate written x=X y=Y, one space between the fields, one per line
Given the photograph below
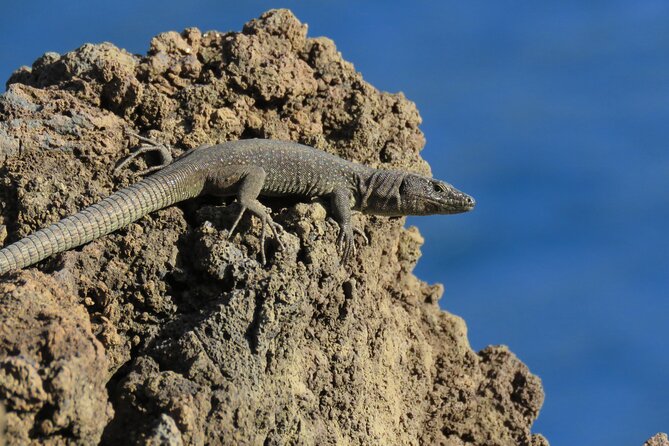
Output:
x=114 y=212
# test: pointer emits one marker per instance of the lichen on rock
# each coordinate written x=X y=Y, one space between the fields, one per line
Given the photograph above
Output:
x=166 y=332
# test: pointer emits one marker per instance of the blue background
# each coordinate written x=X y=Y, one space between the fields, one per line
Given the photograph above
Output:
x=555 y=116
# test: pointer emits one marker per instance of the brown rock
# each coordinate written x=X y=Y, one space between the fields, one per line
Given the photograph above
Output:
x=53 y=371
x=188 y=336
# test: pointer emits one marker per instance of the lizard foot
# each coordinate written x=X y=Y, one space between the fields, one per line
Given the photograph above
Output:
x=346 y=240
x=276 y=228
x=362 y=234
x=346 y=243
x=148 y=145
x=266 y=221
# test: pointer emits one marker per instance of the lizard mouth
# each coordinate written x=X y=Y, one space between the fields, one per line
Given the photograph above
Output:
x=463 y=203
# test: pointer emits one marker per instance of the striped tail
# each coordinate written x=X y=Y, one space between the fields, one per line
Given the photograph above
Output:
x=114 y=212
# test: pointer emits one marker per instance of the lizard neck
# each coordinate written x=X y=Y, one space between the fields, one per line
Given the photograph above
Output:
x=378 y=192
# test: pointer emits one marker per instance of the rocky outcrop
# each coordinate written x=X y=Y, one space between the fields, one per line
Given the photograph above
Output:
x=166 y=332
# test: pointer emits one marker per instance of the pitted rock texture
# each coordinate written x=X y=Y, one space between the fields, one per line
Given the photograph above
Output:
x=166 y=332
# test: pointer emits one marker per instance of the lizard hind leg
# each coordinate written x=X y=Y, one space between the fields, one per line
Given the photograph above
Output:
x=274 y=227
x=148 y=145
x=250 y=185
x=264 y=217
x=234 y=225
x=259 y=211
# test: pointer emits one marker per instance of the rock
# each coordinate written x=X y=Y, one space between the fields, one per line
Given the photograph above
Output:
x=166 y=332
x=53 y=371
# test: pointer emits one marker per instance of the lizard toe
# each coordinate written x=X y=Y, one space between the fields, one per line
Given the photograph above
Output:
x=346 y=244
x=362 y=234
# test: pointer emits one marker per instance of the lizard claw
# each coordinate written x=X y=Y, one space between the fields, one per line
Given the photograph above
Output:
x=275 y=228
x=266 y=221
x=234 y=225
x=356 y=230
x=362 y=234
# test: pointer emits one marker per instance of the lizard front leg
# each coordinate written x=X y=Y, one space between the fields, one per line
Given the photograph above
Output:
x=340 y=202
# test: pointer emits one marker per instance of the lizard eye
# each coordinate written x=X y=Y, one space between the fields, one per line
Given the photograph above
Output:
x=438 y=187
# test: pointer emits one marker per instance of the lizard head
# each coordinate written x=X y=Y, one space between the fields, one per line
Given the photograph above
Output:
x=425 y=196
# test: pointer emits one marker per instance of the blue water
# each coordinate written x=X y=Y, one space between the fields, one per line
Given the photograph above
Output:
x=555 y=116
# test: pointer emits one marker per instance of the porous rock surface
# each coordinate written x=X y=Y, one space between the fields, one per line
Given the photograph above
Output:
x=166 y=332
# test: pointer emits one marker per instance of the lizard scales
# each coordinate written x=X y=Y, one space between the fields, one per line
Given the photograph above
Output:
x=248 y=169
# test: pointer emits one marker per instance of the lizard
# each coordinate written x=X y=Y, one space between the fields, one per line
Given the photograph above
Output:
x=246 y=169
